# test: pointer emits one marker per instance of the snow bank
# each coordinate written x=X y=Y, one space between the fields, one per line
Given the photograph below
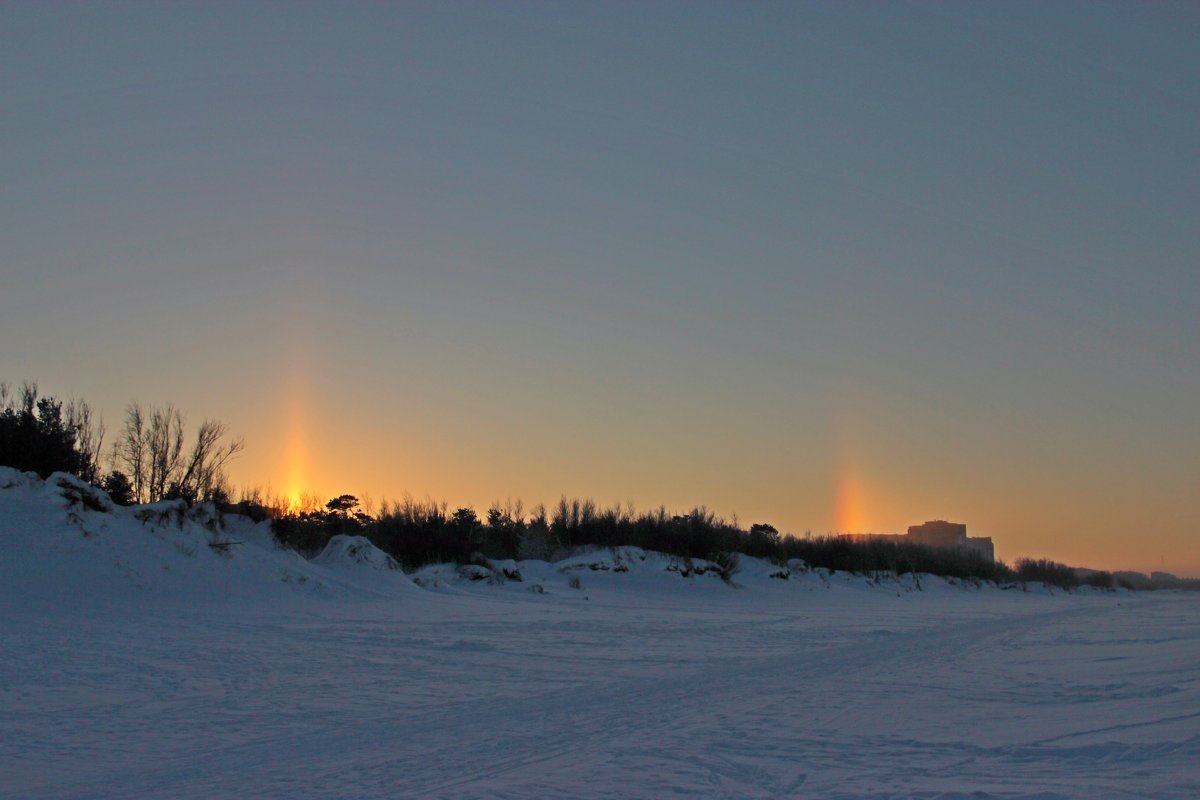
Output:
x=66 y=543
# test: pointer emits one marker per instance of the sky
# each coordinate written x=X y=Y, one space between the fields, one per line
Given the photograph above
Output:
x=832 y=266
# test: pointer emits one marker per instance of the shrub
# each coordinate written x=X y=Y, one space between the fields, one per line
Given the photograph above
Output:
x=1100 y=580
x=725 y=564
x=118 y=488
x=1048 y=572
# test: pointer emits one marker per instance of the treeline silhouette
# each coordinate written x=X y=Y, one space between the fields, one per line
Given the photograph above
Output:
x=420 y=532
x=424 y=532
x=154 y=458
x=38 y=435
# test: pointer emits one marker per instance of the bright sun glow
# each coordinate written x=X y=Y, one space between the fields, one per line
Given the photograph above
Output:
x=295 y=461
x=295 y=465
x=848 y=504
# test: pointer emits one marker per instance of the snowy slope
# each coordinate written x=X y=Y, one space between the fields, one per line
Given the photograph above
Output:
x=65 y=543
x=136 y=661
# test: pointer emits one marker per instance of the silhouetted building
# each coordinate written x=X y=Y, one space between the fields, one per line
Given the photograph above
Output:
x=936 y=533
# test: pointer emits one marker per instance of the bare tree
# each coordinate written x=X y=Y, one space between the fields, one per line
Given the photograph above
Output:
x=129 y=451
x=27 y=397
x=205 y=467
x=164 y=441
x=151 y=450
x=89 y=438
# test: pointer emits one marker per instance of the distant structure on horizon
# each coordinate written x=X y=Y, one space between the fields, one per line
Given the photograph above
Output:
x=935 y=533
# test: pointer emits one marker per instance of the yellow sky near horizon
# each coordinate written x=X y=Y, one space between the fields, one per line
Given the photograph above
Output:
x=306 y=455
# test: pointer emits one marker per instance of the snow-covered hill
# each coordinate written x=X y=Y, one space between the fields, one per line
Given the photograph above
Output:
x=65 y=543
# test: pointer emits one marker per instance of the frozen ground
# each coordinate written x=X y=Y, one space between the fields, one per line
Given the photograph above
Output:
x=137 y=662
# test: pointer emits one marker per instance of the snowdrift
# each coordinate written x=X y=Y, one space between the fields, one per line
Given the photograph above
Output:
x=66 y=543
x=354 y=551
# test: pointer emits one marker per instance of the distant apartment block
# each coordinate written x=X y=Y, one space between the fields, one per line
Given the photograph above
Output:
x=935 y=533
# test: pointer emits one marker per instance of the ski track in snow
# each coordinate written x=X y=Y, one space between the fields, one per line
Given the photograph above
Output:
x=135 y=662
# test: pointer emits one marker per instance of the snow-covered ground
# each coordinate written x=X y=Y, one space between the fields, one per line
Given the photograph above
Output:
x=137 y=661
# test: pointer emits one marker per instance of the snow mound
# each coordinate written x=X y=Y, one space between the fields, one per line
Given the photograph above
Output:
x=13 y=478
x=66 y=543
x=356 y=551
x=492 y=572
x=74 y=493
x=615 y=559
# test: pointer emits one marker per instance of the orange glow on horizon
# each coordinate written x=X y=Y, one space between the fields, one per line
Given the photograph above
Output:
x=849 y=504
x=849 y=514
x=295 y=454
